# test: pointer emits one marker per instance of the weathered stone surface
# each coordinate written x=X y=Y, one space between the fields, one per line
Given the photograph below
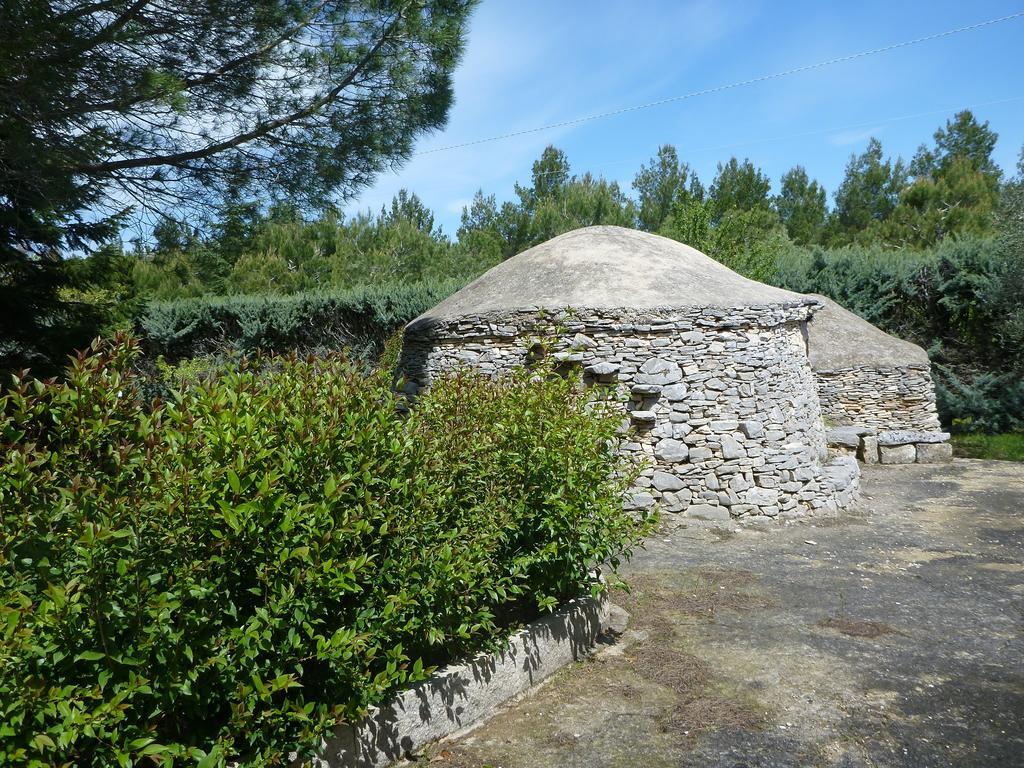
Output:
x=700 y=453
x=659 y=371
x=644 y=417
x=761 y=496
x=907 y=436
x=751 y=429
x=934 y=453
x=568 y=357
x=847 y=437
x=708 y=512
x=721 y=426
x=868 y=452
x=897 y=454
x=663 y=481
x=842 y=472
x=638 y=501
x=582 y=341
x=602 y=369
x=675 y=392
x=645 y=389
x=671 y=451
x=731 y=449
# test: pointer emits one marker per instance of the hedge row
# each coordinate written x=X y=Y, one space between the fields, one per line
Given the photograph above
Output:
x=963 y=301
x=224 y=576
x=359 y=320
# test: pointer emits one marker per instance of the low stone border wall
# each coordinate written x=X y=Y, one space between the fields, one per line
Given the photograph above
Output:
x=459 y=695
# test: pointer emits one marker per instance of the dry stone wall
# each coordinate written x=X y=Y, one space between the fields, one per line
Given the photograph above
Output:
x=720 y=404
x=900 y=397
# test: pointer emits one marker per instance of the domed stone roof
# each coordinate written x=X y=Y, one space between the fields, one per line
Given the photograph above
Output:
x=607 y=268
x=837 y=338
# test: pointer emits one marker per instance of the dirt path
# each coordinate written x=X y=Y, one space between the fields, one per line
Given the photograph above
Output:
x=889 y=636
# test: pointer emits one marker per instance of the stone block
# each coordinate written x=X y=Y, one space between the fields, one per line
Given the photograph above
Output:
x=751 y=429
x=671 y=451
x=602 y=369
x=721 y=426
x=638 y=501
x=843 y=437
x=675 y=392
x=664 y=481
x=700 y=453
x=582 y=341
x=708 y=512
x=643 y=417
x=731 y=449
x=657 y=370
x=934 y=453
x=897 y=454
x=645 y=389
x=868 y=452
x=908 y=436
x=761 y=496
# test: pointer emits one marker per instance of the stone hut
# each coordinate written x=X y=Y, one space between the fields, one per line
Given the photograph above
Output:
x=876 y=390
x=710 y=368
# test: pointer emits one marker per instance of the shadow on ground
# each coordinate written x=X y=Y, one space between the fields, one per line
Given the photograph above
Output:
x=886 y=636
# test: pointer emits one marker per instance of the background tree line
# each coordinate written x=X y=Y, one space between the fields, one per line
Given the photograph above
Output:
x=930 y=250
x=951 y=188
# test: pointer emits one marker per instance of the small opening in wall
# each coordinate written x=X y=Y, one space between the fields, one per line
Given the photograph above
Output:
x=535 y=354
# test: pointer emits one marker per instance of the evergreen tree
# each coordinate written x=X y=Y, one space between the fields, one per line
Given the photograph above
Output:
x=661 y=185
x=107 y=105
x=407 y=206
x=739 y=186
x=955 y=187
x=479 y=235
x=549 y=175
x=963 y=137
x=801 y=206
x=1010 y=218
x=689 y=222
x=867 y=196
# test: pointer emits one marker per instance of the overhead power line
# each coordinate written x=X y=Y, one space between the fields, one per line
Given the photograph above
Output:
x=731 y=86
x=882 y=121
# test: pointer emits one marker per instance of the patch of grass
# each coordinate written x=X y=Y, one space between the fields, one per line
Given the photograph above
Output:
x=1008 y=446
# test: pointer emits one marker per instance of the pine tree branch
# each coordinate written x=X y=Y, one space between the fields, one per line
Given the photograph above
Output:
x=260 y=130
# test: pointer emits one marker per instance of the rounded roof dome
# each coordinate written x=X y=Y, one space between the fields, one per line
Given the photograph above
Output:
x=837 y=338
x=607 y=268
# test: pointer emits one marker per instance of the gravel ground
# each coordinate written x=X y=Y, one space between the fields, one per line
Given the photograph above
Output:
x=890 y=635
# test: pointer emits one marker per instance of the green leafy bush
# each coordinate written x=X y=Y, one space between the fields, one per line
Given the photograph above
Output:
x=360 y=319
x=225 y=575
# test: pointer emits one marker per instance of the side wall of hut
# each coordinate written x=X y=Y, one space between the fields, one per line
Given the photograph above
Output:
x=895 y=398
x=722 y=403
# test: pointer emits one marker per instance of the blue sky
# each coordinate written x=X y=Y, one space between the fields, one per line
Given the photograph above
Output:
x=530 y=63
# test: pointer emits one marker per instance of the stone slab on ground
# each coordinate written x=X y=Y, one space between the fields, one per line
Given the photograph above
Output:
x=907 y=436
x=889 y=635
